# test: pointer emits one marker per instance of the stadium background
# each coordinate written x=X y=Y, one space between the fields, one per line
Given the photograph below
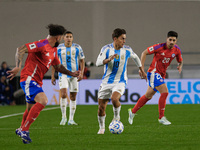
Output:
x=92 y=22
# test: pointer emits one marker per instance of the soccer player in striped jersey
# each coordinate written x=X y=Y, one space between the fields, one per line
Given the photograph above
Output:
x=41 y=55
x=71 y=56
x=164 y=53
x=114 y=57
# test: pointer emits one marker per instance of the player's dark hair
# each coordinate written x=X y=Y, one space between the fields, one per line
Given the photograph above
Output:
x=55 y=29
x=68 y=32
x=172 y=34
x=118 y=32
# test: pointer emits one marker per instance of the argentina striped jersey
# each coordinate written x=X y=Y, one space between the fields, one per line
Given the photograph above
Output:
x=116 y=70
x=69 y=57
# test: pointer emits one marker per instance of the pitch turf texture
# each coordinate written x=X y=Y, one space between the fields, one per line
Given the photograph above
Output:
x=145 y=133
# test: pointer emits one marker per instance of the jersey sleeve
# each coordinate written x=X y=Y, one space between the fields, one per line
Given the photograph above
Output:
x=32 y=47
x=152 y=49
x=81 y=54
x=179 y=55
x=101 y=57
x=56 y=60
x=135 y=58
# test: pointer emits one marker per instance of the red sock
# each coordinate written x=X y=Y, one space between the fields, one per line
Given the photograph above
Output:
x=140 y=103
x=24 y=117
x=161 y=104
x=32 y=115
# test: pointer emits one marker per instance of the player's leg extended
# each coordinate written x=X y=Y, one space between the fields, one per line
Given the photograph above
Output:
x=72 y=108
x=63 y=105
x=140 y=103
x=116 y=105
x=162 y=103
x=41 y=101
x=102 y=114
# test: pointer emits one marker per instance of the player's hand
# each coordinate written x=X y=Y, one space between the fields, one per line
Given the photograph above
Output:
x=53 y=80
x=13 y=72
x=179 y=69
x=80 y=77
x=143 y=75
x=112 y=57
x=75 y=74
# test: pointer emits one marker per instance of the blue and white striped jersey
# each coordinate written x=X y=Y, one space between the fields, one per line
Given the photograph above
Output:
x=69 y=57
x=116 y=70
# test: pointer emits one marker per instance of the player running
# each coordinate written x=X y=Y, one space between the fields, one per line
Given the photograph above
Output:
x=41 y=55
x=70 y=55
x=164 y=53
x=114 y=57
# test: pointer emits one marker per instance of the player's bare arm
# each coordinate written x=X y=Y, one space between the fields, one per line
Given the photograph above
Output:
x=82 y=67
x=60 y=68
x=53 y=79
x=142 y=74
x=180 y=65
x=105 y=61
x=18 y=58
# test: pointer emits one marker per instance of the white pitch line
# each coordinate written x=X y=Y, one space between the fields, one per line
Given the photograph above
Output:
x=6 y=116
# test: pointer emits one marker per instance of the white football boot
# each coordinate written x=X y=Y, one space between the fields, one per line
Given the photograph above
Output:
x=63 y=121
x=101 y=131
x=131 y=116
x=164 y=121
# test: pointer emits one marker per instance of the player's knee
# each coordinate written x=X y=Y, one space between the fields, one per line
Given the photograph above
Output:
x=101 y=109
x=64 y=95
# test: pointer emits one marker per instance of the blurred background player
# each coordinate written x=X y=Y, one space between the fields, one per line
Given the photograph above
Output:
x=71 y=56
x=114 y=57
x=164 y=53
x=41 y=55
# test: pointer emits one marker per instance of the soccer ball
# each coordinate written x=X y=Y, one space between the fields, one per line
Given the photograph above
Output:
x=116 y=127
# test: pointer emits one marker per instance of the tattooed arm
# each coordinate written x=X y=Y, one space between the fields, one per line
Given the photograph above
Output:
x=60 y=68
x=18 y=58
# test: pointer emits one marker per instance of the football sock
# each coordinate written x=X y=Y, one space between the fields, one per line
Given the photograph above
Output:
x=101 y=120
x=24 y=117
x=161 y=104
x=32 y=115
x=63 y=106
x=72 y=109
x=141 y=102
x=116 y=112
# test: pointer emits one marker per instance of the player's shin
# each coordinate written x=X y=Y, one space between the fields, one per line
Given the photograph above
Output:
x=161 y=104
x=116 y=112
x=32 y=115
x=63 y=106
x=72 y=109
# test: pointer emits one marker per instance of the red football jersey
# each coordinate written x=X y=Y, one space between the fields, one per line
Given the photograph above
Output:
x=40 y=57
x=163 y=57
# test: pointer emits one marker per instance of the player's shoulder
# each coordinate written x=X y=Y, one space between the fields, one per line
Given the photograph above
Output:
x=177 y=47
x=40 y=43
x=127 y=47
x=159 y=46
x=61 y=45
x=76 y=45
x=108 y=46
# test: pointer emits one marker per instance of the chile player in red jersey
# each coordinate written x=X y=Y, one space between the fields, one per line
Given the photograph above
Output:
x=164 y=53
x=41 y=55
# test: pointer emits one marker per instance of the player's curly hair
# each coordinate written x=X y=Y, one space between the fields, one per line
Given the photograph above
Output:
x=172 y=34
x=55 y=29
x=118 y=32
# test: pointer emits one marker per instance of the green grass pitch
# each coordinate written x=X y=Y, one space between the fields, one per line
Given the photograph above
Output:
x=145 y=133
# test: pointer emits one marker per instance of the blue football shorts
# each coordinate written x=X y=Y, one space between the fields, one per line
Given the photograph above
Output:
x=154 y=80
x=31 y=89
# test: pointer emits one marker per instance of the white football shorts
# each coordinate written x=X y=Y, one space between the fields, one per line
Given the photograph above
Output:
x=106 y=90
x=69 y=83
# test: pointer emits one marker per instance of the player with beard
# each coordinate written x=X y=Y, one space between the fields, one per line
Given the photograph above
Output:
x=164 y=53
x=41 y=55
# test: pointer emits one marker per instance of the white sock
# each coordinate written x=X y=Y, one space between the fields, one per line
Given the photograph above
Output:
x=72 y=109
x=116 y=112
x=63 y=104
x=101 y=120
